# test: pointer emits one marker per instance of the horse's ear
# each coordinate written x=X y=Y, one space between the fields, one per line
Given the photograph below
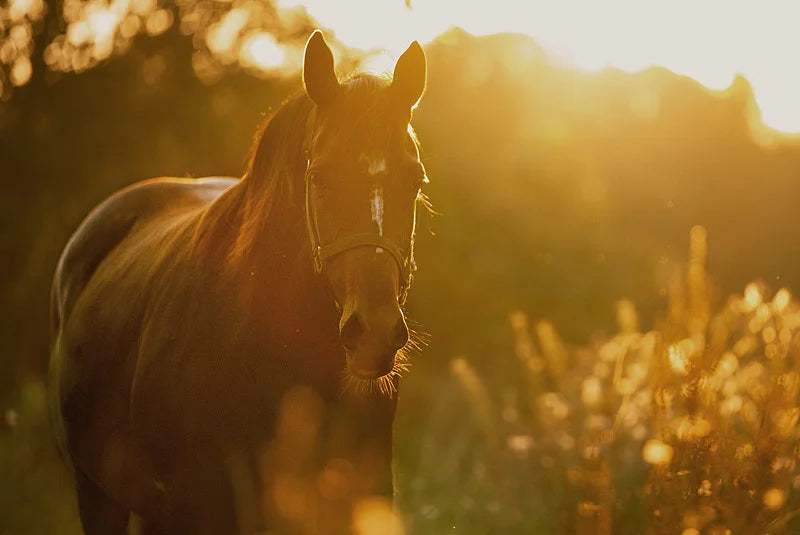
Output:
x=409 y=76
x=319 y=77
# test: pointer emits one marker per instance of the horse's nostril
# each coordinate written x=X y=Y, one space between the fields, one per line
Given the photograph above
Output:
x=351 y=330
x=399 y=334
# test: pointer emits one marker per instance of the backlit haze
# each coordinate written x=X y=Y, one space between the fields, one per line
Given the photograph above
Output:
x=710 y=40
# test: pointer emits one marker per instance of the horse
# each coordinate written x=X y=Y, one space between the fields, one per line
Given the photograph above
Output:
x=225 y=352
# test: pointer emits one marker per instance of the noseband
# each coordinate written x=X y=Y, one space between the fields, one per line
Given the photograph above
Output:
x=320 y=252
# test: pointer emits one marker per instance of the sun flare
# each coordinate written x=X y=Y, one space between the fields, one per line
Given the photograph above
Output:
x=709 y=41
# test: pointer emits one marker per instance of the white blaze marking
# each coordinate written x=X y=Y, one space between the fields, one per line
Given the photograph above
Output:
x=375 y=164
x=376 y=207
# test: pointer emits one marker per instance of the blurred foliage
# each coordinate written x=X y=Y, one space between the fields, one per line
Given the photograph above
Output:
x=36 y=494
x=71 y=36
x=560 y=193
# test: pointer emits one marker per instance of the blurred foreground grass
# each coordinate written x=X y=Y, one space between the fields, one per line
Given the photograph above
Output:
x=690 y=428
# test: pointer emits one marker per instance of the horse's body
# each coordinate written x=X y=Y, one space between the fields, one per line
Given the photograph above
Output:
x=198 y=355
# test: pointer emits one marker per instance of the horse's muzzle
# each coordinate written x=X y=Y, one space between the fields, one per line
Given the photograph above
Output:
x=371 y=340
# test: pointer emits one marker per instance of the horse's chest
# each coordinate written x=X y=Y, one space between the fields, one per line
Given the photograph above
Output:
x=226 y=389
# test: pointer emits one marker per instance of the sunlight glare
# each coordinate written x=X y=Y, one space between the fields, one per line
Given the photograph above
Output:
x=709 y=41
x=262 y=51
x=380 y=63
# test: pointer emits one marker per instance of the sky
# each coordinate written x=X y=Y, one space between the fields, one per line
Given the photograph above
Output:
x=709 y=40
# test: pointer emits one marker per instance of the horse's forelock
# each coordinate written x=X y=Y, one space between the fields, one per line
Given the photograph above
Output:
x=365 y=116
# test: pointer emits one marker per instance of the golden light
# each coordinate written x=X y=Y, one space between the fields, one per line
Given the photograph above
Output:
x=678 y=359
x=262 y=51
x=520 y=444
x=20 y=36
x=158 y=22
x=690 y=428
x=727 y=365
x=102 y=23
x=21 y=8
x=752 y=296
x=784 y=421
x=774 y=499
x=130 y=26
x=21 y=71
x=781 y=300
x=143 y=7
x=380 y=63
x=221 y=37
x=718 y=40
x=375 y=516
x=710 y=41
x=591 y=391
x=78 y=32
x=657 y=452
x=769 y=334
x=731 y=405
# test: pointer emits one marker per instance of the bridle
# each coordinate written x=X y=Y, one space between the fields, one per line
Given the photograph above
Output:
x=320 y=252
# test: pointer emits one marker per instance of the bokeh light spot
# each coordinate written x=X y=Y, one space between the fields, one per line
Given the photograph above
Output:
x=657 y=452
x=375 y=516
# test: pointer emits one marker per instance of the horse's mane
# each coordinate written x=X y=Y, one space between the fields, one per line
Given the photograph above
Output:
x=276 y=166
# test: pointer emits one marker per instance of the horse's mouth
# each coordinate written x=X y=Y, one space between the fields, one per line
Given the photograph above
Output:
x=364 y=380
x=375 y=381
x=382 y=367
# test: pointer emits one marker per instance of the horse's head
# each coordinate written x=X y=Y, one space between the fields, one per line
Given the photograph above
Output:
x=362 y=184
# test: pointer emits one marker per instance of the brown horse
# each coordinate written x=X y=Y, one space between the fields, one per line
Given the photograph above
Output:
x=203 y=329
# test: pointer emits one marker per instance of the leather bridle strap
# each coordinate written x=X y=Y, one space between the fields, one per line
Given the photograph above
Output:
x=320 y=253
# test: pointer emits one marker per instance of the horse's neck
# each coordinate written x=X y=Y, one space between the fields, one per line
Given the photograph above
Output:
x=266 y=254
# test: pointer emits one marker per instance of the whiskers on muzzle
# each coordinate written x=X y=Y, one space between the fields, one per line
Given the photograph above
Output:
x=386 y=385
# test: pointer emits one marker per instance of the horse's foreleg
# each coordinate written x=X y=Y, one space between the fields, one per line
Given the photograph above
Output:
x=98 y=512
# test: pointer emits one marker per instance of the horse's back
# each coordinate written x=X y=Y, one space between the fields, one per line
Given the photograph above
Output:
x=114 y=219
x=96 y=301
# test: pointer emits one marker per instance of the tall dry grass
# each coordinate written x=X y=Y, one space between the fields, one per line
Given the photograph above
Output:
x=691 y=428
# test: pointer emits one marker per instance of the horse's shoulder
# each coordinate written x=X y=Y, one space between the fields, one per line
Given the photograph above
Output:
x=109 y=223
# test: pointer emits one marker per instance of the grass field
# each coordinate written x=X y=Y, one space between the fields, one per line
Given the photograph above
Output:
x=689 y=429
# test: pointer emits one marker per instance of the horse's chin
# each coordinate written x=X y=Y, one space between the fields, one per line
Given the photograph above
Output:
x=371 y=370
